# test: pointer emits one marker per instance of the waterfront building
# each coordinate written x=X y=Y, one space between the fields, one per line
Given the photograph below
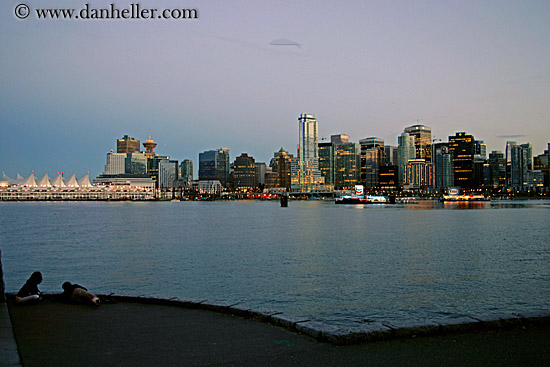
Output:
x=271 y=178
x=422 y=141
x=214 y=165
x=210 y=187
x=127 y=145
x=261 y=169
x=136 y=164
x=116 y=163
x=281 y=166
x=168 y=174
x=153 y=167
x=508 y=157
x=244 y=173
x=305 y=174
x=372 y=157
x=327 y=161
x=348 y=166
x=388 y=178
x=186 y=170
x=521 y=162
x=418 y=175
x=462 y=148
x=540 y=162
x=405 y=152
x=496 y=170
x=480 y=150
x=534 y=181
x=339 y=139
x=390 y=153
x=443 y=166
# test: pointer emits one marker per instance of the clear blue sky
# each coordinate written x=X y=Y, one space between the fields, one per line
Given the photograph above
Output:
x=69 y=89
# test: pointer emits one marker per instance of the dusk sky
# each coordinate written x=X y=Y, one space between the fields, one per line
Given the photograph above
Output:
x=70 y=88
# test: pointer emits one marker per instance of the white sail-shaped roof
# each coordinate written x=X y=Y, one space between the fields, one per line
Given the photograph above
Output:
x=19 y=179
x=71 y=182
x=6 y=178
x=85 y=181
x=58 y=181
x=29 y=181
x=44 y=181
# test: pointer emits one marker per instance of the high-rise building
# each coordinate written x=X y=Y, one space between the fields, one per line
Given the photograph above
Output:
x=372 y=157
x=339 y=139
x=508 y=158
x=305 y=174
x=521 y=162
x=116 y=164
x=136 y=164
x=496 y=167
x=207 y=165
x=222 y=166
x=390 y=153
x=422 y=141
x=244 y=173
x=327 y=161
x=261 y=169
x=168 y=174
x=186 y=170
x=214 y=166
x=540 y=162
x=127 y=145
x=418 y=175
x=281 y=169
x=443 y=166
x=405 y=152
x=348 y=166
x=462 y=147
x=388 y=179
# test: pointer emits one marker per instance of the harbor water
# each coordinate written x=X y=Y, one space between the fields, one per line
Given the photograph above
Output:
x=341 y=265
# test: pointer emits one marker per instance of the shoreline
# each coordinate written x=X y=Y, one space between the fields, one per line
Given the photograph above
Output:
x=324 y=332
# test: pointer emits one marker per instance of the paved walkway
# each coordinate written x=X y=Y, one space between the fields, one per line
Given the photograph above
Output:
x=134 y=334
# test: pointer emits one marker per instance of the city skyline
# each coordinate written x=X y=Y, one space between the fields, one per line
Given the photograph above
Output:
x=363 y=68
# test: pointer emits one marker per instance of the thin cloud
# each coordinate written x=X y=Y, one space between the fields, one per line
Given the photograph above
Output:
x=511 y=136
x=285 y=42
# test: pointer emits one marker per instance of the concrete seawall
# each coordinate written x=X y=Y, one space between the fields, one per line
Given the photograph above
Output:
x=327 y=333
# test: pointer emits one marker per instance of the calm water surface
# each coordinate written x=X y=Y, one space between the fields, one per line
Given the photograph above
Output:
x=343 y=265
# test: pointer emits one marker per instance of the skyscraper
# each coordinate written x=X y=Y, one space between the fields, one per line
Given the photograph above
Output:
x=127 y=145
x=348 y=166
x=244 y=172
x=168 y=174
x=443 y=166
x=214 y=165
x=372 y=157
x=327 y=161
x=186 y=170
x=463 y=149
x=405 y=152
x=521 y=162
x=305 y=174
x=422 y=141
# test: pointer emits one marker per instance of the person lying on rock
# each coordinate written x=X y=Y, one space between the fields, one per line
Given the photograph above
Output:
x=78 y=294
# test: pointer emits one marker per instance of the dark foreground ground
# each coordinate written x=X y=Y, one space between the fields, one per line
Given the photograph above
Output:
x=134 y=334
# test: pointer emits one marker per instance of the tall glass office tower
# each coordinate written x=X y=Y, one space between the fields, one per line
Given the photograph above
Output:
x=306 y=176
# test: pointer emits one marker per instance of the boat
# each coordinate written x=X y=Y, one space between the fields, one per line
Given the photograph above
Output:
x=454 y=195
x=352 y=200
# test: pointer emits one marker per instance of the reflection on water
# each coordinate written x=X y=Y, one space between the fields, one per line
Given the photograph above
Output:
x=336 y=263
